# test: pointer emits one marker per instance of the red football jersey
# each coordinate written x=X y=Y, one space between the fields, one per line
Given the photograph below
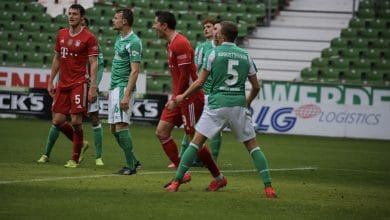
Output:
x=74 y=51
x=180 y=53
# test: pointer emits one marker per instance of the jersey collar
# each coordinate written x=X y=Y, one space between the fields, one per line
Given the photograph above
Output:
x=228 y=43
x=212 y=43
x=73 y=35
x=128 y=35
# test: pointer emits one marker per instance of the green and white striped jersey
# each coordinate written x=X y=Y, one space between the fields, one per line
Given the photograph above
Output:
x=229 y=67
x=128 y=50
x=200 y=53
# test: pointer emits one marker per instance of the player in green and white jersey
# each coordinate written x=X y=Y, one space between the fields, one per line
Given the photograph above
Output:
x=93 y=113
x=226 y=68
x=210 y=26
x=124 y=75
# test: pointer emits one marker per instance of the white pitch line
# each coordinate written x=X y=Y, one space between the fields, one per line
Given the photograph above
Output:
x=4 y=182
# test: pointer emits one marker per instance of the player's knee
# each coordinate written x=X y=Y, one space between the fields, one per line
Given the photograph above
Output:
x=164 y=139
x=160 y=134
x=112 y=128
x=58 y=120
x=94 y=119
x=250 y=144
x=58 y=123
x=95 y=123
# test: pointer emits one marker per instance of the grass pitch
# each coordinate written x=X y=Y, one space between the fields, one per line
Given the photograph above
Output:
x=315 y=178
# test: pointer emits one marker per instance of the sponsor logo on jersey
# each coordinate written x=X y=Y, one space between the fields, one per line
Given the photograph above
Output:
x=64 y=52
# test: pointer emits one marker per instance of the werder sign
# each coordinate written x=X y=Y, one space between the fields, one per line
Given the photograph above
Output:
x=324 y=110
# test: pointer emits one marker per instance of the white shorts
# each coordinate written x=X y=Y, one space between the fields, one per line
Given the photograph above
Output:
x=94 y=107
x=237 y=118
x=115 y=113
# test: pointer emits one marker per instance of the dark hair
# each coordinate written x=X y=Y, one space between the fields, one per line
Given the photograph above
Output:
x=229 y=30
x=166 y=17
x=80 y=8
x=126 y=14
x=218 y=21
x=86 y=21
x=209 y=20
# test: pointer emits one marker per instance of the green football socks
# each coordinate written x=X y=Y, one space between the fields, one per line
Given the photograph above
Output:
x=184 y=145
x=215 y=145
x=98 y=140
x=52 y=136
x=125 y=142
x=186 y=161
x=261 y=165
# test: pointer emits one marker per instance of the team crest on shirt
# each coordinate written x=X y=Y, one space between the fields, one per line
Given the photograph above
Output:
x=70 y=41
x=78 y=42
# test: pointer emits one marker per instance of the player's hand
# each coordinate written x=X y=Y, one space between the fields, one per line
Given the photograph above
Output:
x=51 y=89
x=174 y=102
x=125 y=103
x=92 y=95
x=171 y=104
x=179 y=99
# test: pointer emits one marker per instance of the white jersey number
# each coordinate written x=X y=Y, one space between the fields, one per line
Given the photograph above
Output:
x=77 y=99
x=231 y=71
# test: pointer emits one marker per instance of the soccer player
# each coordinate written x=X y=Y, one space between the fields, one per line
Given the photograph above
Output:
x=75 y=48
x=183 y=73
x=93 y=112
x=226 y=68
x=124 y=74
x=209 y=27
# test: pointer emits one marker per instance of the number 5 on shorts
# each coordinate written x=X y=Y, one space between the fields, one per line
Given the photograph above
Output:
x=77 y=99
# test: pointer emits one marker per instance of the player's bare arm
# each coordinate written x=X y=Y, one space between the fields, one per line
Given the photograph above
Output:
x=54 y=70
x=130 y=85
x=254 y=90
x=92 y=86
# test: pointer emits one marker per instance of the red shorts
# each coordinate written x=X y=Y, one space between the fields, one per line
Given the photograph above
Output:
x=187 y=112
x=70 y=100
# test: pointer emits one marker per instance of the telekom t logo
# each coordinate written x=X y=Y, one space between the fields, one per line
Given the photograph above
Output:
x=64 y=52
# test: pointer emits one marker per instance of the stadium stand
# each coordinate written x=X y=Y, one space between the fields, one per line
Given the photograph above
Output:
x=299 y=33
x=360 y=53
x=29 y=32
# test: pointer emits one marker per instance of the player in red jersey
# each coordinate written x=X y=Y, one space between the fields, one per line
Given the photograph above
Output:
x=183 y=73
x=75 y=48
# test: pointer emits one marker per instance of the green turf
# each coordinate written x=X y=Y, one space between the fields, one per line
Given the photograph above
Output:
x=351 y=179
